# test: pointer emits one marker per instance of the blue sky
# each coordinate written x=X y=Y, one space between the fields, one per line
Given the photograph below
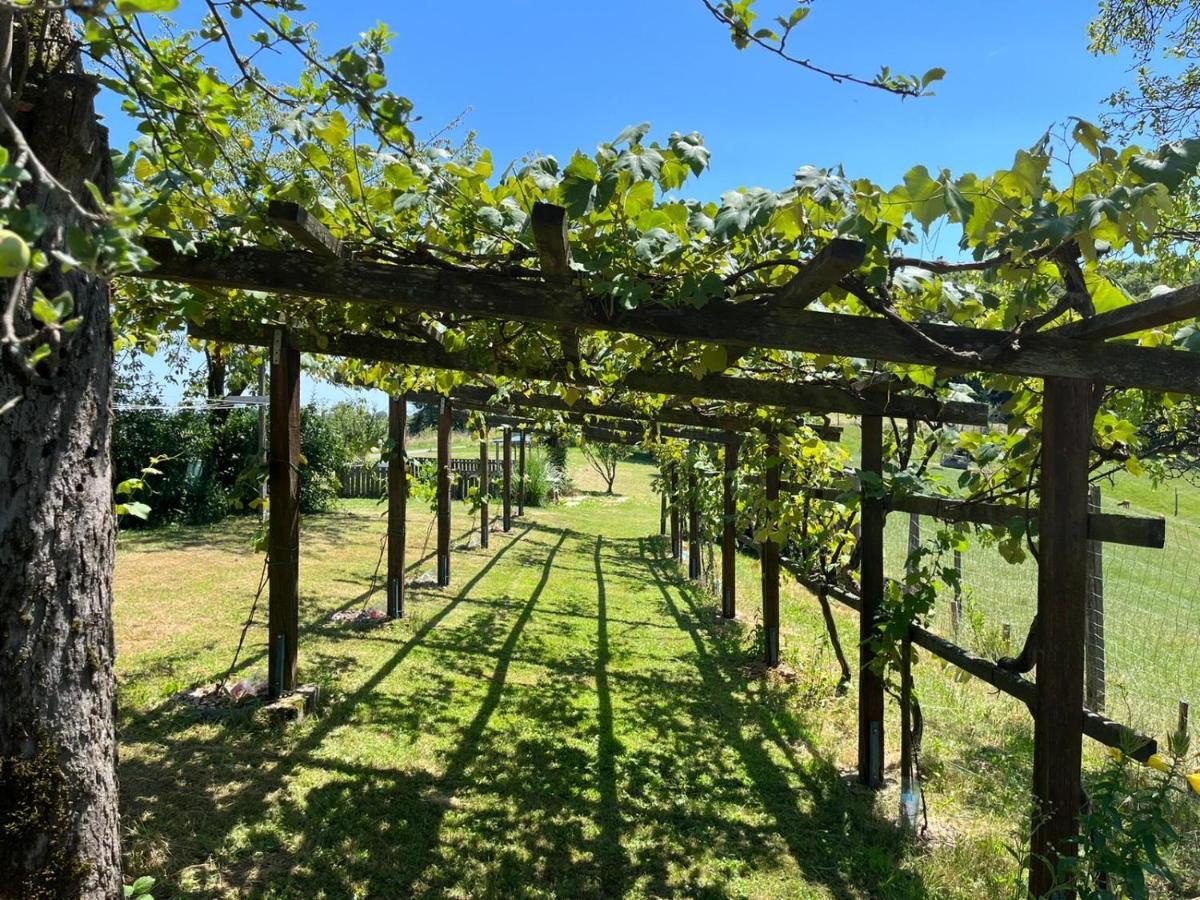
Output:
x=551 y=76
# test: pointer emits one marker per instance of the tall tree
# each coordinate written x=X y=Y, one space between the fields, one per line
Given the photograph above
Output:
x=58 y=783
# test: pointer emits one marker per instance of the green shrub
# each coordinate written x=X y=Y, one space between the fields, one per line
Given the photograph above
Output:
x=543 y=478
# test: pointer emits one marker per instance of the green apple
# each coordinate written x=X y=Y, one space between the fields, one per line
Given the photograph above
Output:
x=14 y=254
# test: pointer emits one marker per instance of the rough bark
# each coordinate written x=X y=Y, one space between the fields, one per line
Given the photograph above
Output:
x=59 y=830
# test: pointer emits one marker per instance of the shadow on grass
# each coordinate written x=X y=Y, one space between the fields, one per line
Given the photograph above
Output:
x=577 y=761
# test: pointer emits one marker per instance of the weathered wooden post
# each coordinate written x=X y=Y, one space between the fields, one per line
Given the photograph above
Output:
x=956 y=609
x=870 y=684
x=729 y=530
x=1094 y=655
x=521 y=473
x=676 y=538
x=694 y=567
x=284 y=527
x=397 y=504
x=484 y=488
x=769 y=557
x=445 y=419
x=662 y=514
x=264 y=454
x=1061 y=613
x=507 y=478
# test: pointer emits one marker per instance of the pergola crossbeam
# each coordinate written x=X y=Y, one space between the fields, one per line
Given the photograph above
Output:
x=759 y=325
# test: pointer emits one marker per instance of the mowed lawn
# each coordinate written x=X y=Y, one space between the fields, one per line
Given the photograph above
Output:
x=568 y=719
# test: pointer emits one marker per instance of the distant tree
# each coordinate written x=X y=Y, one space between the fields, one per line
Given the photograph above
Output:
x=1163 y=37
x=362 y=430
x=604 y=457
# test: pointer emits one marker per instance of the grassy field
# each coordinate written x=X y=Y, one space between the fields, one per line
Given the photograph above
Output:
x=567 y=719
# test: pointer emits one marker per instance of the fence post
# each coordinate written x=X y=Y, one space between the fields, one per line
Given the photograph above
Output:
x=484 y=488
x=662 y=514
x=445 y=419
x=1062 y=606
x=397 y=504
x=1095 y=653
x=507 y=478
x=284 y=520
x=694 y=566
x=870 y=684
x=676 y=538
x=729 y=530
x=521 y=473
x=769 y=557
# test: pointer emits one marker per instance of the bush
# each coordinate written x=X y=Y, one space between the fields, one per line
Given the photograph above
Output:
x=543 y=479
x=325 y=453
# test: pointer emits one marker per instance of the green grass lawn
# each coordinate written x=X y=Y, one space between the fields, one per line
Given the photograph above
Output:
x=568 y=719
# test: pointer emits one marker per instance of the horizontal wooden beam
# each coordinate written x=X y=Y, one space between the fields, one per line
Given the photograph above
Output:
x=1109 y=528
x=484 y=294
x=1154 y=312
x=784 y=395
x=1099 y=728
x=487 y=399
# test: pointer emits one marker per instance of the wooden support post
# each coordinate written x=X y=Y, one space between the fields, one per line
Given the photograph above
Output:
x=484 y=488
x=521 y=473
x=662 y=513
x=908 y=798
x=445 y=419
x=770 y=557
x=507 y=480
x=676 y=538
x=694 y=567
x=264 y=454
x=1061 y=612
x=729 y=530
x=284 y=527
x=1094 y=655
x=397 y=504
x=870 y=684
x=956 y=601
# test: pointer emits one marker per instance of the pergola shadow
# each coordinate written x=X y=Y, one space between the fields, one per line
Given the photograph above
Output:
x=582 y=776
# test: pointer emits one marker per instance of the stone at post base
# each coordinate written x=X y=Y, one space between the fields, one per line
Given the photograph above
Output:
x=290 y=708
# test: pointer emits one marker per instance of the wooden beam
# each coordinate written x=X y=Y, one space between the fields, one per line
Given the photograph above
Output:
x=1109 y=528
x=769 y=559
x=1154 y=312
x=729 y=529
x=1098 y=727
x=831 y=264
x=768 y=326
x=397 y=504
x=1061 y=614
x=870 y=684
x=784 y=395
x=283 y=627
x=445 y=420
x=305 y=228
x=488 y=399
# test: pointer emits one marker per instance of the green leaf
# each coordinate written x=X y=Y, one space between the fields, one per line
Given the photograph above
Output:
x=937 y=73
x=714 y=358
x=134 y=7
x=1170 y=166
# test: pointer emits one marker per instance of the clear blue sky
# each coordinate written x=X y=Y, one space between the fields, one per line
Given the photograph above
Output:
x=551 y=76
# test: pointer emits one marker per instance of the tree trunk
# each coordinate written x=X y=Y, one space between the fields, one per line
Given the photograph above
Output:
x=58 y=783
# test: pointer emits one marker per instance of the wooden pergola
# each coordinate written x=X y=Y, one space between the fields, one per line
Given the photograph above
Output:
x=1072 y=359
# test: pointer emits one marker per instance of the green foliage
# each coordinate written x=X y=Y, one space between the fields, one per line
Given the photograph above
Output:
x=543 y=477
x=323 y=453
